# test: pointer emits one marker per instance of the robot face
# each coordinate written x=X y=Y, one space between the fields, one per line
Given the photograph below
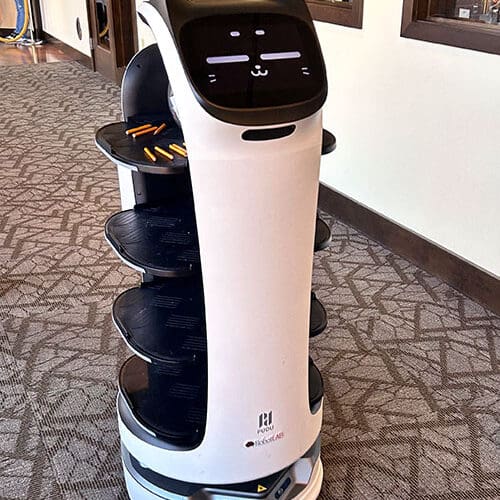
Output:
x=252 y=61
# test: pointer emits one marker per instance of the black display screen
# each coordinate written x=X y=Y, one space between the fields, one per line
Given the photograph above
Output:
x=253 y=60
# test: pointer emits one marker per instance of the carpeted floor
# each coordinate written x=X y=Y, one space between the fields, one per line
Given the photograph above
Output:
x=411 y=367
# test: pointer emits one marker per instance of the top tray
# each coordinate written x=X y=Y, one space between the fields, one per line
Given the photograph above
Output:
x=126 y=151
x=129 y=152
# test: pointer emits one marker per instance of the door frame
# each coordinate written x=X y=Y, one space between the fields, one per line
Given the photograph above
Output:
x=123 y=39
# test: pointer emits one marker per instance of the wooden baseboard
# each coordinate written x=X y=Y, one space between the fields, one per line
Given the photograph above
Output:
x=458 y=273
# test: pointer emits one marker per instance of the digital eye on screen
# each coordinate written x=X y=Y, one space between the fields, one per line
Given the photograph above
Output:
x=257 y=70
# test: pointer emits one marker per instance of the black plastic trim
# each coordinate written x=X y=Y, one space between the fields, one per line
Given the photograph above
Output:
x=189 y=490
x=319 y=317
x=323 y=235
x=145 y=86
x=316 y=387
x=268 y=134
x=263 y=116
x=194 y=490
x=329 y=143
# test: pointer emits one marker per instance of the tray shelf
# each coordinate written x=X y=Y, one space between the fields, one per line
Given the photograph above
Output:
x=329 y=143
x=161 y=241
x=316 y=389
x=126 y=151
x=169 y=402
x=129 y=152
x=323 y=235
x=319 y=317
x=164 y=323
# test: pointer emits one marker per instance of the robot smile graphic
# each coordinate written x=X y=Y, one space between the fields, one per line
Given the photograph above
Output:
x=259 y=71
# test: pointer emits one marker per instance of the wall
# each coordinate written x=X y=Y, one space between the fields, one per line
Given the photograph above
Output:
x=417 y=130
x=145 y=36
x=8 y=14
x=59 y=20
x=416 y=125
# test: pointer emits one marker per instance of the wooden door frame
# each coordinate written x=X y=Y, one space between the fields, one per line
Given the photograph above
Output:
x=417 y=24
x=350 y=15
x=123 y=39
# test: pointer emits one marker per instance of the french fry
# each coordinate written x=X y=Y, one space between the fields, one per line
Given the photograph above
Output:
x=160 y=129
x=163 y=153
x=178 y=149
x=143 y=132
x=138 y=129
x=149 y=155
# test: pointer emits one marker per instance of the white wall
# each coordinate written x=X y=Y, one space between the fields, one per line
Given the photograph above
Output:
x=8 y=14
x=144 y=34
x=59 y=20
x=417 y=127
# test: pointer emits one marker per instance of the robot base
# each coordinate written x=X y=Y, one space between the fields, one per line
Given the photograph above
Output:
x=301 y=481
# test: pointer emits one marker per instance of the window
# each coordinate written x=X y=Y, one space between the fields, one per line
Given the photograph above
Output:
x=345 y=12
x=470 y=24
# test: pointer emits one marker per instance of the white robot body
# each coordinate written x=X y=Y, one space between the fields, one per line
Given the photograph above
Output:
x=255 y=202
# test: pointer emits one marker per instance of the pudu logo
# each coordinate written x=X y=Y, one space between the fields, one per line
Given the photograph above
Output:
x=265 y=423
x=264 y=436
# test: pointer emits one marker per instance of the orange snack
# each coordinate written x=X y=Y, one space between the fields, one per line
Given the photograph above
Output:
x=138 y=129
x=149 y=155
x=160 y=129
x=143 y=132
x=178 y=149
x=164 y=153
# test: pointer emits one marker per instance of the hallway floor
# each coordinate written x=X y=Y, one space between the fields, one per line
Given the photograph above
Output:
x=54 y=51
x=411 y=367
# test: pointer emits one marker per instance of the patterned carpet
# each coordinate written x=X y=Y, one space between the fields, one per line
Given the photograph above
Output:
x=411 y=367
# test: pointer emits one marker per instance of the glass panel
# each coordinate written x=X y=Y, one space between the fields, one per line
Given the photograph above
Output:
x=102 y=16
x=480 y=12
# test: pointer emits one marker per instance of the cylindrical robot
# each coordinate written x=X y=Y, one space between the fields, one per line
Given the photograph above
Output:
x=240 y=416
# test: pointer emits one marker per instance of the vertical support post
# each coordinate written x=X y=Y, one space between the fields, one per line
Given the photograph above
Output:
x=36 y=21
